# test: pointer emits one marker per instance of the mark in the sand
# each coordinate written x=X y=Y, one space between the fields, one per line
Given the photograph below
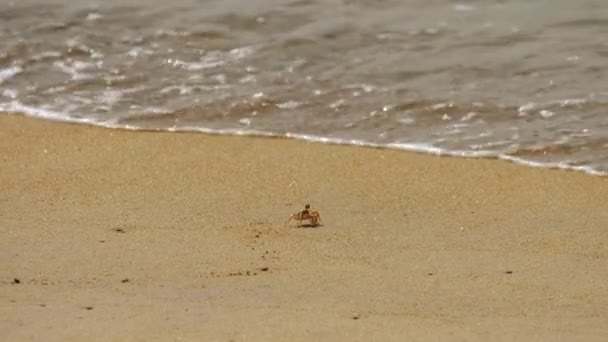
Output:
x=102 y=241
x=430 y=273
x=355 y=317
x=16 y=281
x=259 y=223
x=43 y=305
x=88 y=308
x=126 y=280
x=509 y=272
x=119 y=230
x=236 y=274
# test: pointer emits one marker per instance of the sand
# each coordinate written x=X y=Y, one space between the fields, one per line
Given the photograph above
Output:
x=114 y=235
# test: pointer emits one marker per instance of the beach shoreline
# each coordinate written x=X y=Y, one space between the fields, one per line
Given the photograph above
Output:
x=125 y=235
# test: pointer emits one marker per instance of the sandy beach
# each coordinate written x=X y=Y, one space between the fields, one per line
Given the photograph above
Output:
x=114 y=235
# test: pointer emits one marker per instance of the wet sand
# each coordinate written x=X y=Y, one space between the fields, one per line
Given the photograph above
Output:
x=114 y=235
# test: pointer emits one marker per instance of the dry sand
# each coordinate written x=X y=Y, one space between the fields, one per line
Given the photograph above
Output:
x=139 y=236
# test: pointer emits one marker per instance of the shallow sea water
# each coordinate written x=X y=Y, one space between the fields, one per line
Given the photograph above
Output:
x=519 y=80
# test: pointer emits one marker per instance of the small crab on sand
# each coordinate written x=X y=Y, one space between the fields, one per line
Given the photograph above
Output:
x=307 y=214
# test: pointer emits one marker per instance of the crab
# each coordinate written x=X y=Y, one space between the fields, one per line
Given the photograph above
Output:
x=307 y=214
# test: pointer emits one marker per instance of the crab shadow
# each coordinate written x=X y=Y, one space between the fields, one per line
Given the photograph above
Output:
x=309 y=225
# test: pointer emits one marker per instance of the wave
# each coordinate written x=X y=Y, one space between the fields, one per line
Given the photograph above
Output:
x=415 y=147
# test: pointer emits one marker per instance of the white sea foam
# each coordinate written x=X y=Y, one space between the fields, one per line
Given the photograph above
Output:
x=289 y=105
x=10 y=93
x=74 y=70
x=554 y=165
x=463 y=7
x=10 y=72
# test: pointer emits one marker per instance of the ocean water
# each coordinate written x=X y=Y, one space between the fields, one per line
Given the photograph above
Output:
x=520 y=80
